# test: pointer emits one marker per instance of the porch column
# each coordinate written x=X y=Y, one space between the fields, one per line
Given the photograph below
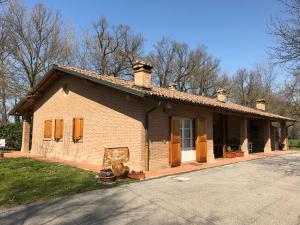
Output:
x=26 y=134
x=284 y=135
x=210 y=138
x=267 y=136
x=244 y=136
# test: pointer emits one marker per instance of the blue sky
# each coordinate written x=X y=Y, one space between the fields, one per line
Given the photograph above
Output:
x=234 y=31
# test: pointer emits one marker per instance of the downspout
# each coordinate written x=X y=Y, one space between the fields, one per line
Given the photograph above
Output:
x=147 y=142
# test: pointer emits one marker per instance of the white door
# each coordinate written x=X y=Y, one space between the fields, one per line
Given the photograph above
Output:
x=187 y=141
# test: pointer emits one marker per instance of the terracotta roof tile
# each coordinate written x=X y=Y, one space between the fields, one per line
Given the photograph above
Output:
x=177 y=95
x=165 y=94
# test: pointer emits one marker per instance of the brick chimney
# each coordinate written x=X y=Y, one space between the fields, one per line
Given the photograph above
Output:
x=261 y=104
x=142 y=74
x=221 y=95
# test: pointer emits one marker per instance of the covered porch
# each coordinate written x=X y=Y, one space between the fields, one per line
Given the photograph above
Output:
x=233 y=132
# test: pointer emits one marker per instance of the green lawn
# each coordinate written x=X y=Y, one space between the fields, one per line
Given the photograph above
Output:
x=294 y=144
x=25 y=180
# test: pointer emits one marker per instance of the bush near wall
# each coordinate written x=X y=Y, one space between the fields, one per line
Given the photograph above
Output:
x=294 y=143
x=12 y=133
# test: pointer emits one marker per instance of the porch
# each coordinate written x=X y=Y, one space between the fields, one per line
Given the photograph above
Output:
x=247 y=134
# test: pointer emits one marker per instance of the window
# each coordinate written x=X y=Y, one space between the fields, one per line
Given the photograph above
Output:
x=59 y=129
x=187 y=134
x=77 y=129
x=48 y=129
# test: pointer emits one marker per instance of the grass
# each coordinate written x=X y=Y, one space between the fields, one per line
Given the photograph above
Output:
x=294 y=144
x=25 y=180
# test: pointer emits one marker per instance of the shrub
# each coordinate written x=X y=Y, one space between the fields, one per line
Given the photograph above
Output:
x=294 y=143
x=12 y=133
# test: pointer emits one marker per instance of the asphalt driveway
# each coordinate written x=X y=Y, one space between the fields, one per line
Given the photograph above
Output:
x=264 y=191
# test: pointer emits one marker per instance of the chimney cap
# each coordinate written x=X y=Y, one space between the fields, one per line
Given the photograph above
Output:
x=221 y=95
x=221 y=91
x=141 y=65
x=261 y=100
x=172 y=86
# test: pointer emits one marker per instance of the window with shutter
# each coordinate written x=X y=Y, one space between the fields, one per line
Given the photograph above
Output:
x=59 y=127
x=77 y=129
x=48 y=129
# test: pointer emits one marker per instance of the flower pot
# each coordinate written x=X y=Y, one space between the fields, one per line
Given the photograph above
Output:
x=136 y=176
x=229 y=154
x=1 y=155
x=108 y=179
x=106 y=175
x=239 y=154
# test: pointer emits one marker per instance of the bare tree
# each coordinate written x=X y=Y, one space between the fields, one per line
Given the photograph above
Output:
x=287 y=51
x=192 y=70
x=36 y=41
x=162 y=59
x=249 y=85
x=287 y=32
x=4 y=78
x=292 y=92
x=111 y=50
x=206 y=73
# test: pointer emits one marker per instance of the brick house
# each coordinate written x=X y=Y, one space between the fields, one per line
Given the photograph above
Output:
x=76 y=114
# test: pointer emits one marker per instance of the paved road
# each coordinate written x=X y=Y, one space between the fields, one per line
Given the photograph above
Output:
x=265 y=191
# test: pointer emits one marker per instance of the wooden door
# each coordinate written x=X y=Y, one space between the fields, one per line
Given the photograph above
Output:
x=201 y=140
x=175 y=154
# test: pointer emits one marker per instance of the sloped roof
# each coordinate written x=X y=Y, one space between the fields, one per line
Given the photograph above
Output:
x=162 y=93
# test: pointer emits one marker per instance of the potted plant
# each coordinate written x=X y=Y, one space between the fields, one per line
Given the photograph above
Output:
x=106 y=175
x=120 y=171
x=239 y=152
x=138 y=175
x=1 y=154
x=229 y=153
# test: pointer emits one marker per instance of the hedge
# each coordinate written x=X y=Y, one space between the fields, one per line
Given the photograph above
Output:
x=12 y=133
x=294 y=143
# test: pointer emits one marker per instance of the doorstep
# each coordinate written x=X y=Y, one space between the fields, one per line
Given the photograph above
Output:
x=194 y=166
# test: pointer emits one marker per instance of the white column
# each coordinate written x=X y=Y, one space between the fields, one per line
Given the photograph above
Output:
x=244 y=136
x=267 y=136
x=26 y=134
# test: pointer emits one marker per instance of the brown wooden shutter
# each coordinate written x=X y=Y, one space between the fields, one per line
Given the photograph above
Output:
x=80 y=128
x=59 y=127
x=201 y=140
x=77 y=129
x=175 y=154
x=48 y=129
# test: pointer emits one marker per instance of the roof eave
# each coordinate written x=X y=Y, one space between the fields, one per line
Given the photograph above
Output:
x=282 y=118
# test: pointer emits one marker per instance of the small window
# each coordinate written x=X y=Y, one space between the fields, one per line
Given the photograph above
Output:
x=77 y=129
x=48 y=129
x=59 y=129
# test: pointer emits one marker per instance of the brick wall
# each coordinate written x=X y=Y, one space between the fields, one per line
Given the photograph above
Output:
x=111 y=119
x=159 y=132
